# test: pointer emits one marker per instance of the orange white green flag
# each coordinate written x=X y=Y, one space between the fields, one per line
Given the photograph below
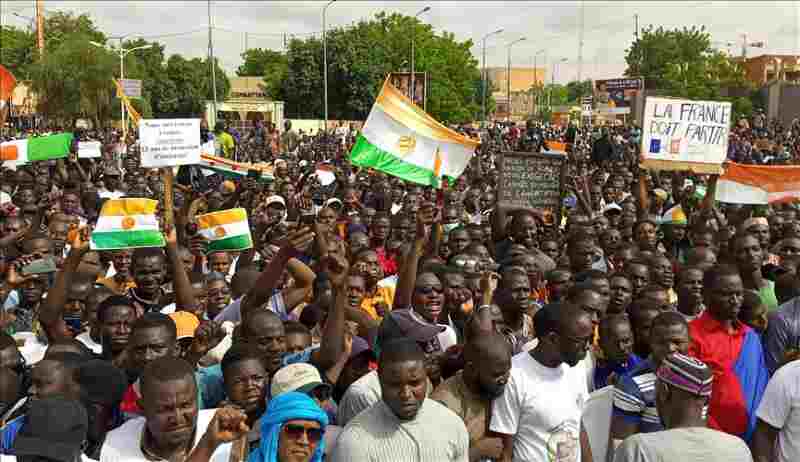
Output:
x=127 y=224
x=400 y=139
x=226 y=230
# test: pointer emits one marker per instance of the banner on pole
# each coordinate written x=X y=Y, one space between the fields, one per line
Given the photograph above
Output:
x=89 y=149
x=169 y=142
x=680 y=134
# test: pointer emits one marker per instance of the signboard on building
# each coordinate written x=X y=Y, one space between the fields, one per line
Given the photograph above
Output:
x=681 y=134
x=402 y=81
x=169 y=142
x=615 y=96
x=131 y=87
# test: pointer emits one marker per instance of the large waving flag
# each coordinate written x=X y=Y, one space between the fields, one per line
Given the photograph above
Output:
x=402 y=140
x=758 y=184
x=127 y=224
x=20 y=152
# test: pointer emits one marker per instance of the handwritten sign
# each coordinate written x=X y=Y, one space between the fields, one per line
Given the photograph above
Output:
x=169 y=142
x=682 y=134
x=89 y=149
x=532 y=179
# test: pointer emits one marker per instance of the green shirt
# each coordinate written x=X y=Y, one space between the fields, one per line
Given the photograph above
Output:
x=767 y=295
x=224 y=145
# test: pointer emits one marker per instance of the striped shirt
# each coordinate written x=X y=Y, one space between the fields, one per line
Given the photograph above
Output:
x=635 y=397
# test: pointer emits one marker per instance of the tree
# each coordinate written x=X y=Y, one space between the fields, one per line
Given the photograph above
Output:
x=72 y=81
x=272 y=65
x=556 y=94
x=577 y=90
x=18 y=50
x=193 y=86
x=359 y=59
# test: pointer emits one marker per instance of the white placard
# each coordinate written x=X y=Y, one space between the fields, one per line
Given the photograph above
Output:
x=680 y=134
x=169 y=142
x=131 y=87
x=89 y=149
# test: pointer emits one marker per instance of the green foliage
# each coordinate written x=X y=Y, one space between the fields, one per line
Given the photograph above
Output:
x=556 y=94
x=18 y=49
x=576 y=90
x=72 y=81
x=272 y=65
x=682 y=63
x=359 y=59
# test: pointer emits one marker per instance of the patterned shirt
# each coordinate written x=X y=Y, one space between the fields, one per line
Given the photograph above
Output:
x=635 y=397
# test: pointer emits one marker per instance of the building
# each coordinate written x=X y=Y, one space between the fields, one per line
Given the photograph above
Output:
x=761 y=70
x=522 y=81
x=245 y=104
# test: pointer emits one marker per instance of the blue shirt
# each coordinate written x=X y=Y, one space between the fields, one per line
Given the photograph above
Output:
x=635 y=397
x=604 y=369
x=9 y=434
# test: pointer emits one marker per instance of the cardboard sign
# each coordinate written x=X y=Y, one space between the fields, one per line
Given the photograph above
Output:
x=680 y=134
x=169 y=142
x=532 y=179
x=89 y=149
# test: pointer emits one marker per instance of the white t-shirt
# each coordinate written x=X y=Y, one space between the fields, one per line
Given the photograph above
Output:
x=123 y=444
x=542 y=407
x=87 y=340
x=778 y=408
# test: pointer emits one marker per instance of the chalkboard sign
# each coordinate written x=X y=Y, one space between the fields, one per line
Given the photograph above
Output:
x=532 y=179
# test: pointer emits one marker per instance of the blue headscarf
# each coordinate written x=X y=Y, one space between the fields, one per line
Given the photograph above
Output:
x=281 y=409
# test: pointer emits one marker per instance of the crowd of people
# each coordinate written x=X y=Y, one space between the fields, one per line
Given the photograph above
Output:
x=379 y=320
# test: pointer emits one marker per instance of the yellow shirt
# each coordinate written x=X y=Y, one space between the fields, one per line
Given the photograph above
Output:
x=119 y=288
x=382 y=294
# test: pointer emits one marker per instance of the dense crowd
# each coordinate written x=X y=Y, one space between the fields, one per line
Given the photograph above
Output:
x=379 y=320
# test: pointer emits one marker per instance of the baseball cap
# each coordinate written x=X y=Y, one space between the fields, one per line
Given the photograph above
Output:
x=275 y=200
x=54 y=428
x=301 y=377
x=186 y=323
x=612 y=207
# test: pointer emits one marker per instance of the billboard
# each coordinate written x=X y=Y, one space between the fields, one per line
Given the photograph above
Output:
x=402 y=81
x=615 y=96
x=131 y=87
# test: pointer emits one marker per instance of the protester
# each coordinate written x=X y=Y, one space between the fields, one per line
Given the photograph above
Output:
x=683 y=389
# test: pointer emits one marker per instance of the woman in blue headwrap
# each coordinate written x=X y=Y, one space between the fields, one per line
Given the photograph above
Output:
x=292 y=430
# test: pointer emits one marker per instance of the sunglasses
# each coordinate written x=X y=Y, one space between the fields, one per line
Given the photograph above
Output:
x=428 y=290
x=296 y=432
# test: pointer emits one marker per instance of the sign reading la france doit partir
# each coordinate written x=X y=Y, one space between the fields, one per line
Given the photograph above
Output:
x=169 y=142
x=679 y=134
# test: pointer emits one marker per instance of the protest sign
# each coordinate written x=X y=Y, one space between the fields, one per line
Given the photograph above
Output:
x=89 y=149
x=680 y=134
x=169 y=142
x=532 y=180
x=615 y=96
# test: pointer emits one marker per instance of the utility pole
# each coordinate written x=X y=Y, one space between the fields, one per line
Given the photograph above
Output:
x=40 y=26
x=246 y=47
x=213 y=64
x=508 y=75
x=485 y=75
x=580 y=45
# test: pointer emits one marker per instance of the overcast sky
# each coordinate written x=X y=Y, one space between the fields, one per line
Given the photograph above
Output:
x=553 y=26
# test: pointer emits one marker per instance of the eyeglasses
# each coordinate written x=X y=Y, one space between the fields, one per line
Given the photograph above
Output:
x=296 y=432
x=428 y=290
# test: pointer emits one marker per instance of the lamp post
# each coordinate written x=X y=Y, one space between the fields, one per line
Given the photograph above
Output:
x=536 y=78
x=413 y=53
x=483 y=80
x=325 y=57
x=122 y=53
x=508 y=75
x=553 y=81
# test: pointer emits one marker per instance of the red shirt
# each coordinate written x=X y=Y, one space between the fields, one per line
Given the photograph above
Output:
x=719 y=348
x=387 y=261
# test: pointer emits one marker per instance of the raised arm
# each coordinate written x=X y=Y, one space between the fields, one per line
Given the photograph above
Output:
x=268 y=280
x=333 y=335
x=184 y=295
x=408 y=272
x=51 y=311
x=303 y=283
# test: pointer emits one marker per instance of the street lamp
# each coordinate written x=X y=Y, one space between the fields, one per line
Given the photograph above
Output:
x=483 y=80
x=123 y=52
x=553 y=81
x=508 y=75
x=413 y=37
x=535 y=78
x=325 y=57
